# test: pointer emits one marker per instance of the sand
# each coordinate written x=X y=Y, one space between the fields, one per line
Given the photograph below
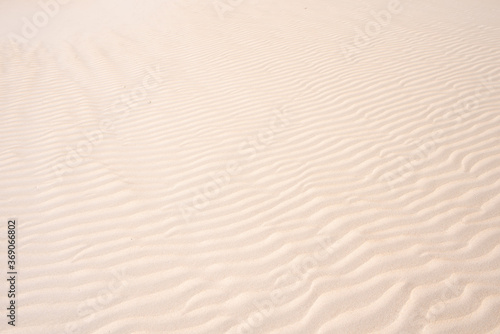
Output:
x=250 y=166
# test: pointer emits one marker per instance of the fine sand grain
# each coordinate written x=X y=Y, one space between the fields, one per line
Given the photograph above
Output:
x=251 y=166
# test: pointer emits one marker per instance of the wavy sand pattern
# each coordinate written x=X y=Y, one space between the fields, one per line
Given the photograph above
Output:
x=251 y=166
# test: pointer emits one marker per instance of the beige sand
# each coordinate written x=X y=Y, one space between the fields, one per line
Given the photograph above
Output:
x=251 y=166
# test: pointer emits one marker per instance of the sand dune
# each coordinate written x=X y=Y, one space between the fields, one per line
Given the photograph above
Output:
x=248 y=166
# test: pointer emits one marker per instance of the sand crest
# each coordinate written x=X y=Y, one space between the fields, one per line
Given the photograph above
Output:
x=250 y=166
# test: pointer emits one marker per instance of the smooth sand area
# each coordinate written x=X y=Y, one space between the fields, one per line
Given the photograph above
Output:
x=250 y=166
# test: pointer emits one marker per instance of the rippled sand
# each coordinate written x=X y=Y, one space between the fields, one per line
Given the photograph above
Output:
x=251 y=166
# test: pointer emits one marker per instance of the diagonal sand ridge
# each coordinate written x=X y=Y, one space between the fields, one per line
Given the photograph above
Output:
x=251 y=166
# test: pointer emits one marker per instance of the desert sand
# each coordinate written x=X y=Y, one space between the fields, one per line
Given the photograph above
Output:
x=250 y=166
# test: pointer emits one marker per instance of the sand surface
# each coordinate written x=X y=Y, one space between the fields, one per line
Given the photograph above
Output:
x=251 y=166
